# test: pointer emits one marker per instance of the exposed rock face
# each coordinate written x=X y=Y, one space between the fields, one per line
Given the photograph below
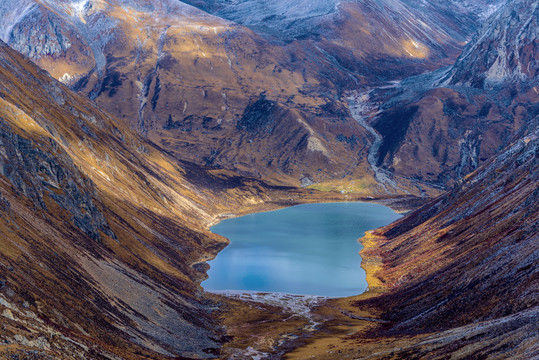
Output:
x=184 y=78
x=468 y=262
x=505 y=49
x=438 y=127
x=100 y=232
x=258 y=116
x=34 y=174
x=44 y=38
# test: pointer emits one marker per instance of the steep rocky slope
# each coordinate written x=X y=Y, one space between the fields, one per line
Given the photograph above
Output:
x=102 y=235
x=364 y=37
x=439 y=126
x=188 y=80
x=470 y=256
x=457 y=278
x=185 y=79
x=505 y=49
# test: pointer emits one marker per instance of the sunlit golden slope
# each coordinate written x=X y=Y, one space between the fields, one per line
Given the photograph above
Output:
x=188 y=80
x=102 y=236
x=98 y=228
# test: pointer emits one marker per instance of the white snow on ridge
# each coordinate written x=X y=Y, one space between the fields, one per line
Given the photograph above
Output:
x=278 y=15
x=78 y=8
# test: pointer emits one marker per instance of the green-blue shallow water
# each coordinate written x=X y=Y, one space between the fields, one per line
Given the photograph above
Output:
x=307 y=249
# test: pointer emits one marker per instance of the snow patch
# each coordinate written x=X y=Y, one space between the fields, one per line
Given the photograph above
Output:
x=66 y=79
x=79 y=8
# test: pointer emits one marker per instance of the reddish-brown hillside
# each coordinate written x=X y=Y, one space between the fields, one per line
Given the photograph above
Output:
x=187 y=79
x=464 y=269
x=102 y=235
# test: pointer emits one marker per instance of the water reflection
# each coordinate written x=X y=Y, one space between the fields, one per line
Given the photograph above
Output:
x=307 y=249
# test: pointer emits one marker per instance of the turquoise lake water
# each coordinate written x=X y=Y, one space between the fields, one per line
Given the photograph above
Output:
x=307 y=249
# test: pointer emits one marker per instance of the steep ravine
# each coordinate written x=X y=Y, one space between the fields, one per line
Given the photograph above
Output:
x=357 y=103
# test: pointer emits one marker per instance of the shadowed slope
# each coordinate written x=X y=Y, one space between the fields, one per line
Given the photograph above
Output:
x=469 y=257
x=101 y=233
x=186 y=79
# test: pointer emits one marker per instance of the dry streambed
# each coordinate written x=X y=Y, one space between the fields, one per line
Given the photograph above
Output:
x=280 y=325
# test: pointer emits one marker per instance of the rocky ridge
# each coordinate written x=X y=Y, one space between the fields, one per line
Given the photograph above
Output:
x=103 y=235
x=439 y=126
x=151 y=63
x=505 y=50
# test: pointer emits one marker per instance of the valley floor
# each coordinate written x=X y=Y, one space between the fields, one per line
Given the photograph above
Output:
x=280 y=325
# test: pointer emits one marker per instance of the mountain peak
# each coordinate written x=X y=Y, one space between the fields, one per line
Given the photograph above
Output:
x=505 y=49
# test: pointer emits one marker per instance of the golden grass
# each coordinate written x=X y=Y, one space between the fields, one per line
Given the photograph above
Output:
x=371 y=265
x=415 y=49
x=362 y=185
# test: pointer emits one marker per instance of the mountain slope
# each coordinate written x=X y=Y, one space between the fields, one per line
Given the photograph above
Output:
x=187 y=79
x=505 y=50
x=450 y=121
x=457 y=278
x=468 y=257
x=78 y=200
x=103 y=236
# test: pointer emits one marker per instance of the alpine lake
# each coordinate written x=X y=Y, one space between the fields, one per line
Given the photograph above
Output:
x=309 y=249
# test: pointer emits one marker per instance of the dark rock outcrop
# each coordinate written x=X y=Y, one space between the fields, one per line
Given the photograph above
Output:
x=258 y=116
x=467 y=112
x=505 y=50
x=39 y=37
x=37 y=174
x=468 y=261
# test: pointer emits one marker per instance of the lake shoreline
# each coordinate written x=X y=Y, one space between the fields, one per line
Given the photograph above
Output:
x=400 y=204
x=306 y=249
x=236 y=309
